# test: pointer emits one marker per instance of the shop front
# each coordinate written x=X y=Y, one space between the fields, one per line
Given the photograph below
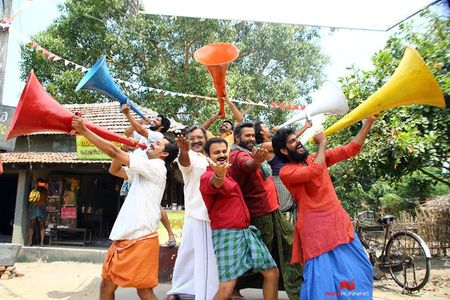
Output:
x=83 y=198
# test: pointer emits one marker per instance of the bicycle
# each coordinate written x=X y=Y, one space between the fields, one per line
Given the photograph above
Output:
x=404 y=254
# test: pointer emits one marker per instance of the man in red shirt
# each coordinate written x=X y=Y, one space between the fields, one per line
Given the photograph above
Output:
x=253 y=174
x=324 y=239
x=238 y=246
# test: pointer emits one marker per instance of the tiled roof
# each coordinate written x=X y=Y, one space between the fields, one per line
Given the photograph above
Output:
x=109 y=116
x=45 y=157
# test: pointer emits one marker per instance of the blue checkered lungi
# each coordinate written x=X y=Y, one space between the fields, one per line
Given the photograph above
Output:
x=240 y=250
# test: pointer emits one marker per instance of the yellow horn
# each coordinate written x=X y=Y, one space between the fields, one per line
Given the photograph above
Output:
x=411 y=83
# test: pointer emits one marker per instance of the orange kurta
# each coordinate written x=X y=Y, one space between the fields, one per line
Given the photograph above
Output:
x=322 y=223
x=133 y=263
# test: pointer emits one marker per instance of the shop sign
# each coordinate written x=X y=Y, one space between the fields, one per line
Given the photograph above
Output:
x=87 y=151
x=68 y=212
x=6 y=115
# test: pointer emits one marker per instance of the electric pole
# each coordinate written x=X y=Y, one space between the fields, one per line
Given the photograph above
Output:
x=5 y=11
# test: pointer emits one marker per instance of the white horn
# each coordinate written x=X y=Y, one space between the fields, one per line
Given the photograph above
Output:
x=328 y=100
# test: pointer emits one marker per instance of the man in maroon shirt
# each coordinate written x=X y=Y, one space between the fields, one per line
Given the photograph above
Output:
x=238 y=246
x=253 y=174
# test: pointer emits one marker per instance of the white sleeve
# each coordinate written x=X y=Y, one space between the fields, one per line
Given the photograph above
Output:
x=137 y=135
x=187 y=169
x=149 y=168
x=130 y=174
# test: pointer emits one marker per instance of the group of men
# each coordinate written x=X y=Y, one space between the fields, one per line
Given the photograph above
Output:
x=234 y=235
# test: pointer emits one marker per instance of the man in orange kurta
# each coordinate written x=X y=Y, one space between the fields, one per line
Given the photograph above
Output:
x=324 y=236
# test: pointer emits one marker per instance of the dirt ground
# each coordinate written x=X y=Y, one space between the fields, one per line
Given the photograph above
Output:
x=66 y=280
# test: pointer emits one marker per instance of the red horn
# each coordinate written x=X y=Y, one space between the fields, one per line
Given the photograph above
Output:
x=37 y=111
x=216 y=57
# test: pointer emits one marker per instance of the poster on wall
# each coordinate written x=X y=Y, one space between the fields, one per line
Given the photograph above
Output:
x=70 y=191
x=6 y=115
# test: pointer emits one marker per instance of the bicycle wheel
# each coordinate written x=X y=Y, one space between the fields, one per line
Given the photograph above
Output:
x=408 y=259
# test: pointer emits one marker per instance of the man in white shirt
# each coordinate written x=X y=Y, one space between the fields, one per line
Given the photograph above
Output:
x=132 y=260
x=195 y=274
x=159 y=125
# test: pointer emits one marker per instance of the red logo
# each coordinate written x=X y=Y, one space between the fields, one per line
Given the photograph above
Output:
x=349 y=285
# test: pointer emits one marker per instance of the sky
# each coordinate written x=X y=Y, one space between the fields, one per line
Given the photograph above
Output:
x=344 y=47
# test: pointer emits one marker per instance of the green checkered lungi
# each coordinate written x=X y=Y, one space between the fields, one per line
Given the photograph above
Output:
x=238 y=251
x=278 y=234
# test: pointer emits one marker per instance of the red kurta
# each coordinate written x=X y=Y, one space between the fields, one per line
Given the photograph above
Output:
x=226 y=205
x=322 y=223
x=260 y=195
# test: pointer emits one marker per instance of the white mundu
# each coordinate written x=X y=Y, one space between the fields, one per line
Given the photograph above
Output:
x=140 y=212
x=195 y=271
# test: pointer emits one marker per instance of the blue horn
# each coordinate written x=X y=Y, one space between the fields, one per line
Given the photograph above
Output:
x=98 y=79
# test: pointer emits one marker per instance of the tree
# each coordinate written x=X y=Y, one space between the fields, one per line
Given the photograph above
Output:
x=277 y=62
x=405 y=140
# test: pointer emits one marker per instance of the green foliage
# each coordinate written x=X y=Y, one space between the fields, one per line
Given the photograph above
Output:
x=277 y=62
x=406 y=156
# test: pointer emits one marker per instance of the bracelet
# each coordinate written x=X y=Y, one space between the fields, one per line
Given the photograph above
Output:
x=217 y=177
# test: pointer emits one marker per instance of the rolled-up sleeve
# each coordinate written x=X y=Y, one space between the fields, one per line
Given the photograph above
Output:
x=338 y=154
x=292 y=174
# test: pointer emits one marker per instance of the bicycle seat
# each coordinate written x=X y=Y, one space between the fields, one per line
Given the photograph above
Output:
x=384 y=220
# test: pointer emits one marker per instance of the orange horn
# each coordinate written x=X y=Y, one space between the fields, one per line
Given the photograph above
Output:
x=37 y=111
x=216 y=57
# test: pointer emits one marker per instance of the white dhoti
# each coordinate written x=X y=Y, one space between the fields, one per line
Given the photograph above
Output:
x=195 y=271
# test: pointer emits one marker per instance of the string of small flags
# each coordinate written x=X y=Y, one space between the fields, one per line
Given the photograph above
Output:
x=54 y=57
x=5 y=25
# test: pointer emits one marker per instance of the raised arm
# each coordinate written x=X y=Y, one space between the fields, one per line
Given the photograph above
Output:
x=362 y=134
x=236 y=112
x=103 y=145
x=117 y=169
x=321 y=140
x=211 y=120
x=298 y=132
x=183 y=145
x=134 y=124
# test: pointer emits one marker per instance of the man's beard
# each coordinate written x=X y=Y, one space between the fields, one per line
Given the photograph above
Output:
x=247 y=146
x=154 y=128
x=297 y=157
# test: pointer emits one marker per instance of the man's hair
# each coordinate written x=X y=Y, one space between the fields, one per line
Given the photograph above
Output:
x=165 y=122
x=231 y=123
x=213 y=141
x=258 y=136
x=279 y=141
x=238 y=128
x=172 y=149
x=40 y=180
x=195 y=127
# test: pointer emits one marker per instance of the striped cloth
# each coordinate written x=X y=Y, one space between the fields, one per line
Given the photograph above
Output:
x=288 y=207
x=240 y=250
x=286 y=199
x=277 y=233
